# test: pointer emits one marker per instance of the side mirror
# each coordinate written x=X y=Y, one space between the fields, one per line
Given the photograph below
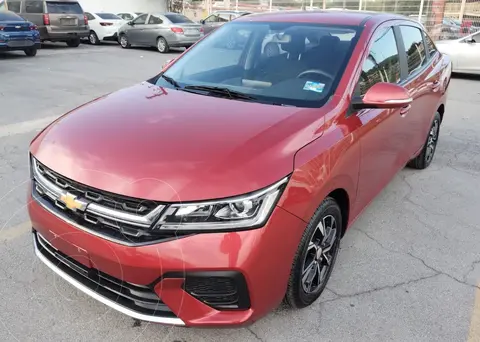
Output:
x=470 y=41
x=130 y=23
x=384 y=95
x=202 y=21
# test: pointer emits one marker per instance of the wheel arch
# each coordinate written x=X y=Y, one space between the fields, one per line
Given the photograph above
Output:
x=340 y=196
x=441 y=111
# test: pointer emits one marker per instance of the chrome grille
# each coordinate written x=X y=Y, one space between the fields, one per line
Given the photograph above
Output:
x=117 y=218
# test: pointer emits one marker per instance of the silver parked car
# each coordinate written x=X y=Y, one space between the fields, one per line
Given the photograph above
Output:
x=464 y=53
x=161 y=30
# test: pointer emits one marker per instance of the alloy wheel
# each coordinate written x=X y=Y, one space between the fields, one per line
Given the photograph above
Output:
x=321 y=251
x=92 y=38
x=123 y=41
x=161 y=45
x=432 y=141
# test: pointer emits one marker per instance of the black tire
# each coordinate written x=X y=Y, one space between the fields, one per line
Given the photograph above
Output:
x=93 y=38
x=162 y=45
x=31 y=52
x=297 y=295
x=123 y=41
x=424 y=159
x=73 y=43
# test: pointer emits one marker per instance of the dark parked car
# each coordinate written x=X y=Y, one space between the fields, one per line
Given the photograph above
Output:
x=223 y=185
x=218 y=18
x=18 y=34
x=57 y=21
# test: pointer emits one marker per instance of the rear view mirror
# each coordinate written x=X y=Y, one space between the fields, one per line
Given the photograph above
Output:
x=384 y=95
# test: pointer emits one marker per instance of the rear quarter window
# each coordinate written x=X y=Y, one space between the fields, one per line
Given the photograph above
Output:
x=61 y=7
x=10 y=16
x=432 y=49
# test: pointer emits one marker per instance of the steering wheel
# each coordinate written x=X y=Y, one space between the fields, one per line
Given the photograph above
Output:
x=316 y=71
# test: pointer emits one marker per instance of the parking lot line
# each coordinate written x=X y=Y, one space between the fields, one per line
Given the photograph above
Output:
x=11 y=233
x=474 y=333
x=25 y=126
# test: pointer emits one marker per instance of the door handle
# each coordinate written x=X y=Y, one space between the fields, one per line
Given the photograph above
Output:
x=404 y=111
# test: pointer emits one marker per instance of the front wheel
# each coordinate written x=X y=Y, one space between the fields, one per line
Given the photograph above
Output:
x=31 y=52
x=316 y=256
x=424 y=159
x=73 y=43
x=162 y=45
x=124 y=43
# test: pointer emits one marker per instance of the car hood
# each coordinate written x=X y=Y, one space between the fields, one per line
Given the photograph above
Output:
x=167 y=145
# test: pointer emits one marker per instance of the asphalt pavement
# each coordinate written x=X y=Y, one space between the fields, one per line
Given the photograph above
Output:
x=408 y=269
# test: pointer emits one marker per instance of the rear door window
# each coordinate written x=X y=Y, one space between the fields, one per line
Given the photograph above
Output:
x=33 y=6
x=178 y=18
x=64 y=7
x=14 y=6
x=154 y=20
x=414 y=47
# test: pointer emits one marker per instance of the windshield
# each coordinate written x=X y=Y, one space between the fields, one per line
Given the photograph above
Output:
x=280 y=63
x=64 y=7
x=10 y=16
x=178 y=18
x=107 y=16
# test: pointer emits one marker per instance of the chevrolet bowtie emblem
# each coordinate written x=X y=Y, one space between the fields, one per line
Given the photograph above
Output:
x=71 y=202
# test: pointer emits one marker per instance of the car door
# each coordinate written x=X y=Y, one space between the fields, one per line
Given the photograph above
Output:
x=423 y=84
x=469 y=54
x=134 y=32
x=209 y=22
x=152 y=30
x=381 y=130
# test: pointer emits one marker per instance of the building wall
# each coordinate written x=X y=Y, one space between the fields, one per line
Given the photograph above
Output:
x=116 y=6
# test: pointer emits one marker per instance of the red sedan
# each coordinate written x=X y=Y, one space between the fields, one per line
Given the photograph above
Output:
x=210 y=193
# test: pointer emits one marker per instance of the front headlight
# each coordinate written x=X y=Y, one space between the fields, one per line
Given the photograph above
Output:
x=248 y=211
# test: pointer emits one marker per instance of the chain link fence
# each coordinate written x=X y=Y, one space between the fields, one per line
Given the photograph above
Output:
x=443 y=19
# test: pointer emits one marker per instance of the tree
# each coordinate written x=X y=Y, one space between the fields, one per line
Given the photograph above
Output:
x=175 y=6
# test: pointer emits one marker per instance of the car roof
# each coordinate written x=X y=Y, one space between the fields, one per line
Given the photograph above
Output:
x=231 y=12
x=354 y=18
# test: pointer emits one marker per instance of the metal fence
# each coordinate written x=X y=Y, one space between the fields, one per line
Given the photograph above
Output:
x=443 y=19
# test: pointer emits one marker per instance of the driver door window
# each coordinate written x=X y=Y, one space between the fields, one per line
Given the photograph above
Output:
x=211 y=19
x=382 y=63
x=140 y=20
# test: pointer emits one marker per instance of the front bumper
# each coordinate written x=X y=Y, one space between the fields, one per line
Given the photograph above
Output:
x=5 y=46
x=56 y=34
x=263 y=257
x=180 y=40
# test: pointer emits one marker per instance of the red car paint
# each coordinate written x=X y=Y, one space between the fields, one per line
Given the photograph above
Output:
x=171 y=146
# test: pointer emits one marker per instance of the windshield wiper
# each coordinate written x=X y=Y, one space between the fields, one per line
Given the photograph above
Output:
x=170 y=80
x=222 y=91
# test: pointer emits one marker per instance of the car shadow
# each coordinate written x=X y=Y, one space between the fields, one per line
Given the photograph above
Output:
x=472 y=77
x=12 y=55
x=153 y=49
